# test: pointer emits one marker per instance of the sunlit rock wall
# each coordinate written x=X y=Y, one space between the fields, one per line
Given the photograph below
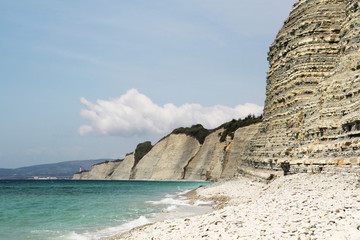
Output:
x=207 y=164
x=100 y=171
x=167 y=159
x=311 y=113
x=123 y=170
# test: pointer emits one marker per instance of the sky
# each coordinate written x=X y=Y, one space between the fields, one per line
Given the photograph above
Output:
x=91 y=79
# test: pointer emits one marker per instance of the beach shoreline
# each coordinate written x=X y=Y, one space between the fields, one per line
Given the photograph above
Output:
x=300 y=206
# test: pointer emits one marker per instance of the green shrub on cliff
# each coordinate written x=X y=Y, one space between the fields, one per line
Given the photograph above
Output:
x=233 y=125
x=197 y=131
x=200 y=133
x=141 y=150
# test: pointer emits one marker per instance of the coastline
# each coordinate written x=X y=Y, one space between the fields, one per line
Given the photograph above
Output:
x=301 y=206
x=175 y=205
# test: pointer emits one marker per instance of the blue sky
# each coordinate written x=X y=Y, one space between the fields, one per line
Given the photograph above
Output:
x=91 y=79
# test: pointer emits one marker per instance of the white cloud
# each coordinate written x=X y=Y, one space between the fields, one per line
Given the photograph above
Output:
x=135 y=114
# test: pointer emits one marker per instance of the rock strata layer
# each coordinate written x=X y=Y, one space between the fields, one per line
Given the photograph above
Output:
x=312 y=108
x=311 y=118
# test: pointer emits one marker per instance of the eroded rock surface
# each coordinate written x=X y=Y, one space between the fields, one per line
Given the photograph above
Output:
x=208 y=163
x=167 y=159
x=180 y=157
x=311 y=113
x=123 y=170
x=100 y=171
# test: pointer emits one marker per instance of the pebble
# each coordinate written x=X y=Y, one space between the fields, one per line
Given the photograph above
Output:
x=299 y=207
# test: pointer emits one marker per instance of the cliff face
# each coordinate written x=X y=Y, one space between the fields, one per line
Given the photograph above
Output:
x=123 y=170
x=207 y=164
x=99 y=171
x=311 y=113
x=180 y=157
x=237 y=149
x=167 y=159
x=118 y=170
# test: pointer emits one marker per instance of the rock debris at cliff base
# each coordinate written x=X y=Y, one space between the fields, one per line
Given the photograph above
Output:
x=301 y=206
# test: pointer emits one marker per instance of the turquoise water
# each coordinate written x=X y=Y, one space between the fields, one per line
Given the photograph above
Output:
x=64 y=209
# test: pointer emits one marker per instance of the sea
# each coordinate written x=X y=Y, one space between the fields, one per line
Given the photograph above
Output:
x=82 y=210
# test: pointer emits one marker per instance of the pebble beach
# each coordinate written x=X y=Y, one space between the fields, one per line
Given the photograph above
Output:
x=300 y=206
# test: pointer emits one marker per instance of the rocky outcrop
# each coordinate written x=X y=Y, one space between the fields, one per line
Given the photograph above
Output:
x=207 y=164
x=167 y=159
x=236 y=150
x=100 y=171
x=311 y=118
x=123 y=170
x=180 y=157
x=219 y=160
x=115 y=170
x=78 y=175
x=311 y=114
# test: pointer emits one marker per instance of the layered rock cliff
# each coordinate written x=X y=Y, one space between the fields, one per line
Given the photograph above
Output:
x=311 y=116
x=311 y=113
x=180 y=157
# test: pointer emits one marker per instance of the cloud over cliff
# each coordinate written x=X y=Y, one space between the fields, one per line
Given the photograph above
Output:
x=135 y=114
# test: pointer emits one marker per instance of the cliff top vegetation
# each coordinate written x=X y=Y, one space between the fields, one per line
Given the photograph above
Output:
x=233 y=125
x=107 y=161
x=200 y=133
x=141 y=150
x=197 y=131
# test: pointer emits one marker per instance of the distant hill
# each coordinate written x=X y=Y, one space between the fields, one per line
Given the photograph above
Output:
x=61 y=169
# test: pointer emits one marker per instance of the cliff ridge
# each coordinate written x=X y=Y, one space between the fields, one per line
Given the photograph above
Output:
x=311 y=118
